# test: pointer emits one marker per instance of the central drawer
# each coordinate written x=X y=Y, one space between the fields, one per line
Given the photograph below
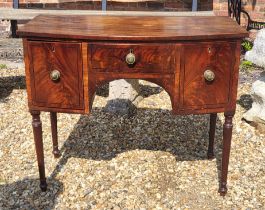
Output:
x=127 y=58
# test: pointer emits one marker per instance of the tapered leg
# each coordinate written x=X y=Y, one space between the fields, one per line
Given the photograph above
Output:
x=55 y=150
x=37 y=131
x=210 y=153
x=227 y=135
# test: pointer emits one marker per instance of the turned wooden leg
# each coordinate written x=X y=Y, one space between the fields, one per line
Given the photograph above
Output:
x=227 y=135
x=210 y=153
x=37 y=132
x=55 y=150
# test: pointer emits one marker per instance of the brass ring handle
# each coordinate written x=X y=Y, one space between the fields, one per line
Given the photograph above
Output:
x=209 y=75
x=55 y=75
x=130 y=58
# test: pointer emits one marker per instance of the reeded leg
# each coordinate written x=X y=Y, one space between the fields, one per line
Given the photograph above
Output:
x=227 y=135
x=210 y=153
x=37 y=131
x=55 y=150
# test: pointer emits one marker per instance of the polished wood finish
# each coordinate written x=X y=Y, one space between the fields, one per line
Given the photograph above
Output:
x=27 y=71
x=150 y=58
x=55 y=150
x=87 y=100
x=173 y=52
x=37 y=132
x=217 y=57
x=227 y=136
x=45 y=57
x=213 y=118
x=132 y=28
x=234 y=79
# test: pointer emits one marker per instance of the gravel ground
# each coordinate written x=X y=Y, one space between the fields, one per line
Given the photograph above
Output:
x=153 y=160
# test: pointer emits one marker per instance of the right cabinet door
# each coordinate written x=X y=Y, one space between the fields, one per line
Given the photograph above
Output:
x=206 y=74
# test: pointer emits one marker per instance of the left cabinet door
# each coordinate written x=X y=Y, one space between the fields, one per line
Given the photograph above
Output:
x=56 y=74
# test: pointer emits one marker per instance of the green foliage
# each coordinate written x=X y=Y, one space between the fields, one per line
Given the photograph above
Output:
x=246 y=65
x=261 y=25
x=247 y=45
x=3 y=66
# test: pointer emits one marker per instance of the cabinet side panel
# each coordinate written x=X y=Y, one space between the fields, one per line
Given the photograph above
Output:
x=85 y=75
x=27 y=71
x=92 y=78
x=234 y=77
x=177 y=68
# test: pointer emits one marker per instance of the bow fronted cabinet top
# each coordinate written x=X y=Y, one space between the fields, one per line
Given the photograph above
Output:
x=138 y=28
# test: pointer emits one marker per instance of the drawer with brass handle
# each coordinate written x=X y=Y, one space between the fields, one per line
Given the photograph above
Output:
x=55 y=75
x=209 y=75
x=140 y=58
x=56 y=69
x=206 y=74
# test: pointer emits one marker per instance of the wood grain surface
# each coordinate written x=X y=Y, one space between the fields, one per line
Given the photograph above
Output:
x=216 y=57
x=152 y=58
x=45 y=57
x=148 y=28
x=173 y=52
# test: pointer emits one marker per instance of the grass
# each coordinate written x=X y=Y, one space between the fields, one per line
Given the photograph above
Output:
x=3 y=66
x=246 y=66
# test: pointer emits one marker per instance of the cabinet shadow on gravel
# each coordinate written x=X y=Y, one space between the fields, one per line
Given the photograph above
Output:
x=102 y=136
x=25 y=194
x=8 y=84
x=245 y=101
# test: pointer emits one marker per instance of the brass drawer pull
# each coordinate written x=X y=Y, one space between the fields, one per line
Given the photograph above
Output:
x=209 y=75
x=55 y=75
x=130 y=58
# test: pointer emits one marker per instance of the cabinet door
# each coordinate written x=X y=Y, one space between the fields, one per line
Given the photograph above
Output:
x=202 y=60
x=56 y=72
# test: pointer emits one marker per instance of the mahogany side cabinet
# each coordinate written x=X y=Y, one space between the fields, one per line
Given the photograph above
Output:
x=195 y=59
